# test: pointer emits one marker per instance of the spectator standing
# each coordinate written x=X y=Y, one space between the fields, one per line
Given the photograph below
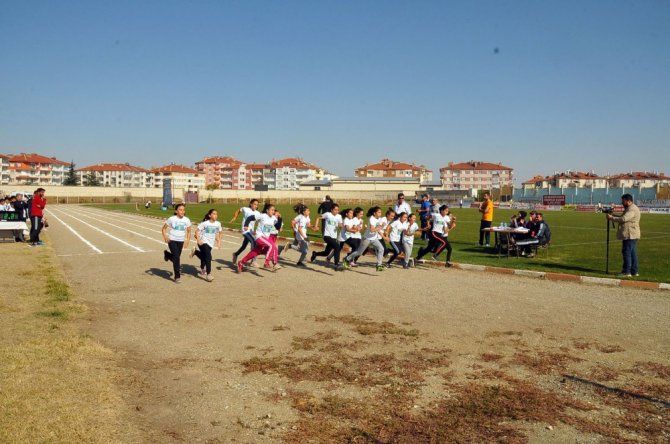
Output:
x=424 y=215
x=401 y=206
x=36 y=216
x=629 y=233
x=325 y=207
x=21 y=211
x=486 y=208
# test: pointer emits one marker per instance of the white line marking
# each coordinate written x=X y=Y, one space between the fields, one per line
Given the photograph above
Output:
x=93 y=247
x=83 y=214
x=105 y=233
x=106 y=252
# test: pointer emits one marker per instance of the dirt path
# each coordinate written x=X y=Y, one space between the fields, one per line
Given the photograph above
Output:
x=241 y=359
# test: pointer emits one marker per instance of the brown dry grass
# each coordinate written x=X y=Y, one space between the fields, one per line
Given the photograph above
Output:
x=57 y=386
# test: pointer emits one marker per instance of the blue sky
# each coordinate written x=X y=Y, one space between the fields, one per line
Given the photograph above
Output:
x=539 y=86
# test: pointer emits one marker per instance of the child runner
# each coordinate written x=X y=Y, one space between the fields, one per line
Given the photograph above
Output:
x=440 y=226
x=266 y=222
x=394 y=233
x=332 y=221
x=300 y=225
x=248 y=234
x=178 y=238
x=352 y=225
x=385 y=221
x=408 y=239
x=208 y=234
x=372 y=236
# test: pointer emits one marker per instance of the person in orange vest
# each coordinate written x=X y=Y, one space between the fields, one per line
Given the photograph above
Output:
x=486 y=208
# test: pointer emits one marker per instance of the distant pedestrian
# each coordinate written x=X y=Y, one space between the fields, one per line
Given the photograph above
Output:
x=177 y=234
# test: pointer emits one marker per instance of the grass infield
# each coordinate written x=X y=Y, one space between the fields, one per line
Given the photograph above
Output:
x=578 y=243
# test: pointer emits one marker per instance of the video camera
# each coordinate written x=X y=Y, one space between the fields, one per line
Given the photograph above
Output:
x=607 y=210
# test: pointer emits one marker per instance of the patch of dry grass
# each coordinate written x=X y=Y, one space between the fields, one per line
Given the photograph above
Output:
x=366 y=326
x=57 y=386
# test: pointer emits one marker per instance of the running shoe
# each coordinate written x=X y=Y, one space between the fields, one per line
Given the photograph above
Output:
x=192 y=253
x=405 y=266
x=234 y=258
x=177 y=281
x=268 y=267
x=449 y=264
x=624 y=275
x=203 y=273
x=411 y=261
x=239 y=267
x=277 y=267
x=166 y=255
x=354 y=264
x=313 y=257
x=345 y=263
x=40 y=243
x=209 y=278
x=381 y=268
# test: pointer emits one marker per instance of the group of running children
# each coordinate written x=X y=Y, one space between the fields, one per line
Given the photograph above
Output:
x=260 y=230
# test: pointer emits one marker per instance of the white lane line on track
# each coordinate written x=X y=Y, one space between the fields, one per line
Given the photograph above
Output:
x=125 y=220
x=93 y=247
x=94 y=217
x=106 y=252
x=104 y=232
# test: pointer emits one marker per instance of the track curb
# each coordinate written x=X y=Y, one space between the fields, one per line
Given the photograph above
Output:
x=549 y=276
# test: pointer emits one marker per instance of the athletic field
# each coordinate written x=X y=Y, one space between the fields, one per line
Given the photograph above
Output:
x=578 y=243
x=313 y=355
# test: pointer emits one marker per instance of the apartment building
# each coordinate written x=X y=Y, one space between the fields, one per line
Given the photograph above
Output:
x=476 y=175
x=392 y=168
x=4 y=169
x=182 y=177
x=117 y=175
x=638 y=179
x=287 y=174
x=35 y=169
x=226 y=172
x=567 y=179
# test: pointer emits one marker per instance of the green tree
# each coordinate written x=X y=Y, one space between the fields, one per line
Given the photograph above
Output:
x=212 y=186
x=91 y=180
x=71 y=178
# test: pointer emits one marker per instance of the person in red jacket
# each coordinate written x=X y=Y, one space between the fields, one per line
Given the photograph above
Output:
x=36 y=216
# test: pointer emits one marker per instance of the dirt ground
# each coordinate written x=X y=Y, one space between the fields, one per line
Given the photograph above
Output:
x=314 y=355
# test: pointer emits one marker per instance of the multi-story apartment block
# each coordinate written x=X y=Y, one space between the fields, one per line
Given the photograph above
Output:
x=117 y=175
x=227 y=173
x=182 y=177
x=567 y=179
x=290 y=172
x=392 y=168
x=4 y=169
x=35 y=169
x=638 y=179
x=476 y=175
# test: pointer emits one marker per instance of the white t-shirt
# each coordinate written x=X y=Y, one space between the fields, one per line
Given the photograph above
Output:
x=246 y=212
x=356 y=222
x=208 y=230
x=373 y=222
x=265 y=226
x=402 y=208
x=344 y=234
x=301 y=223
x=409 y=237
x=440 y=222
x=331 y=223
x=178 y=227
x=397 y=228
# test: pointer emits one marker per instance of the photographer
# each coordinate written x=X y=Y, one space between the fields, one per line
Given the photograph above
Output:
x=629 y=233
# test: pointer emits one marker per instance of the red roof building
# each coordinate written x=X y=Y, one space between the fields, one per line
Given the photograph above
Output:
x=31 y=168
x=476 y=175
x=182 y=177
x=117 y=175
x=640 y=179
x=392 y=168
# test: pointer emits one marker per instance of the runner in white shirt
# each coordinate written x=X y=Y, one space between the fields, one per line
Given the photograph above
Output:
x=177 y=238
x=394 y=233
x=248 y=233
x=402 y=206
x=385 y=222
x=408 y=239
x=267 y=224
x=332 y=221
x=372 y=236
x=300 y=225
x=208 y=234
x=441 y=224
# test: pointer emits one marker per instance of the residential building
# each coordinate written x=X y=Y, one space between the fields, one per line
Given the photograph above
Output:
x=567 y=179
x=392 y=168
x=4 y=169
x=289 y=173
x=638 y=179
x=476 y=175
x=227 y=173
x=182 y=177
x=35 y=169
x=117 y=175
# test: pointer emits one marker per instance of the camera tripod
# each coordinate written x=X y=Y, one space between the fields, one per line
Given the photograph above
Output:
x=607 y=254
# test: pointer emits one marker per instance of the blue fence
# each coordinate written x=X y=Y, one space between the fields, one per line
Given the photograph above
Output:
x=585 y=196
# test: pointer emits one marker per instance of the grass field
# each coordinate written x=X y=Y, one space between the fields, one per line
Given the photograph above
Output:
x=578 y=240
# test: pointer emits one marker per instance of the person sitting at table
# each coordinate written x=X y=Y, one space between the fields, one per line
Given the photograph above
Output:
x=540 y=234
x=543 y=234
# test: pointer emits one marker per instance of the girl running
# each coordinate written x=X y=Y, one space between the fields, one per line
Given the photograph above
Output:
x=372 y=236
x=332 y=221
x=385 y=222
x=248 y=234
x=267 y=222
x=300 y=225
x=408 y=239
x=179 y=227
x=440 y=225
x=350 y=235
x=207 y=235
x=394 y=233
